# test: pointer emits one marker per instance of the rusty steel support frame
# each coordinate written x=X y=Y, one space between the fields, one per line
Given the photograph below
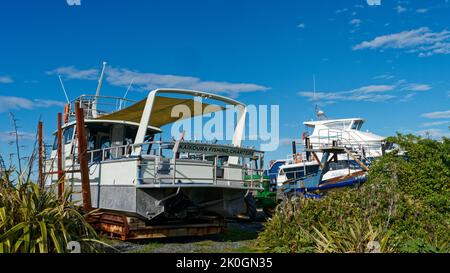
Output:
x=61 y=175
x=82 y=153
x=41 y=154
x=125 y=228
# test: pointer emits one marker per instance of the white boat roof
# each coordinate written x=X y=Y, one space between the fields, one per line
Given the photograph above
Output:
x=327 y=121
x=368 y=136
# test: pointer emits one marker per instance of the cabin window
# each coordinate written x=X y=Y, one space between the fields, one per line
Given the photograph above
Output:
x=67 y=137
x=334 y=125
x=55 y=142
x=295 y=172
x=68 y=134
x=357 y=125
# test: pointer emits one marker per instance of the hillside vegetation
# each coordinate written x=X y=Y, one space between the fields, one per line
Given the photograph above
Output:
x=404 y=207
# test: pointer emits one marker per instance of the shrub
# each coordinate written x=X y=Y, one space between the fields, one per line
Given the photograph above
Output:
x=405 y=206
x=32 y=220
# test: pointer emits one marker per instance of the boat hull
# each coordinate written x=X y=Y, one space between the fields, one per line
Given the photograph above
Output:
x=167 y=202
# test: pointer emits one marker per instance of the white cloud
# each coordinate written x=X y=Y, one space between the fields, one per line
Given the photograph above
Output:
x=417 y=87
x=355 y=22
x=72 y=73
x=301 y=25
x=143 y=81
x=6 y=79
x=8 y=103
x=441 y=114
x=39 y=103
x=341 y=10
x=421 y=41
x=421 y=10
x=435 y=123
x=384 y=77
x=408 y=97
x=400 y=9
x=365 y=93
x=374 y=88
x=11 y=136
x=14 y=103
x=370 y=93
x=148 y=81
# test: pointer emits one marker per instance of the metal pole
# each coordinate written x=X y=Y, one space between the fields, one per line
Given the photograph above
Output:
x=41 y=152
x=59 y=155
x=174 y=169
x=84 y=168
x=261 y=165
x=215 y=170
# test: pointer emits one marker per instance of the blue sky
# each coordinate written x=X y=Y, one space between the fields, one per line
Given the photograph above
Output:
x=389 y=63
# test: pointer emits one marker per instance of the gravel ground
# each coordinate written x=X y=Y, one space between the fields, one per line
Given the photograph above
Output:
x=239 y=237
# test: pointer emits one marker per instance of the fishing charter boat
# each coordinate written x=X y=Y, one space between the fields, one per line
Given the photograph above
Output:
x=132 y=171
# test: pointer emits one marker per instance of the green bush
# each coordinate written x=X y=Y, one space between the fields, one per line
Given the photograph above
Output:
x=32 y=220
x=404 y=206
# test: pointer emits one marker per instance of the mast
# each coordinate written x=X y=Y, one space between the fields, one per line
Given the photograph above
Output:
x=97 y=93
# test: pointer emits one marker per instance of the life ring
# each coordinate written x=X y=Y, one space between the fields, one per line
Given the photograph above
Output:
x=66 y=113
x=298 y=158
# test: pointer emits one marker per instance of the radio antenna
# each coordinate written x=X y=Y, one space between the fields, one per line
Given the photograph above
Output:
x=320 y=114
x=126 y=93
x=64 y=89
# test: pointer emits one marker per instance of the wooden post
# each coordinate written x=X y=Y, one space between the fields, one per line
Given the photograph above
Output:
x=60 y=159
x=318 y=160
x=82 y=153
x=40 y=157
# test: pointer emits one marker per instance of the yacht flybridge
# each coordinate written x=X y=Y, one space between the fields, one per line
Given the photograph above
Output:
x=348 y=133
x=134 y=172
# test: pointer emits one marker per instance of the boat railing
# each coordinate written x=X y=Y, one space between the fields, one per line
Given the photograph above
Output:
x=125 y=151
x=95 y=106
x=294 y=158
x=294 y=174
x=164 y=167
x=331 y=137
x=172 y=176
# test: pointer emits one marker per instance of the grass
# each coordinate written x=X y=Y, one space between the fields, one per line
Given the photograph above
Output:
x=234 y=234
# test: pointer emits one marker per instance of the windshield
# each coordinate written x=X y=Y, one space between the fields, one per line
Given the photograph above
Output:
x=357 y=125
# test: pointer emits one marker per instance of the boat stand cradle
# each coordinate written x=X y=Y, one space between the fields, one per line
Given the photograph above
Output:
x=132 y=228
